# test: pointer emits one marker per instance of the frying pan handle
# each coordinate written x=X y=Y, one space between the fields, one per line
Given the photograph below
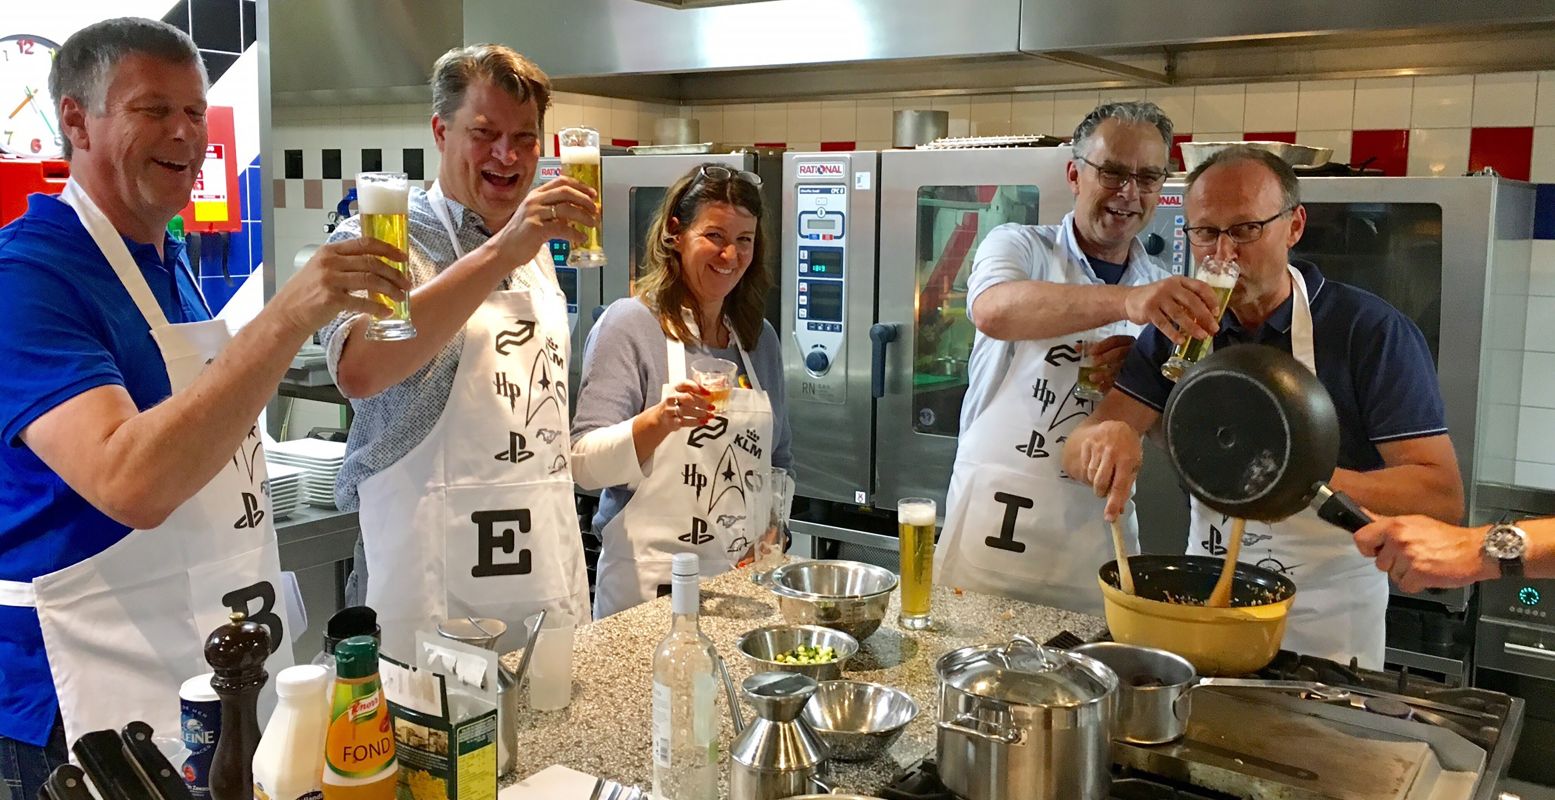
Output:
x=1337 y=508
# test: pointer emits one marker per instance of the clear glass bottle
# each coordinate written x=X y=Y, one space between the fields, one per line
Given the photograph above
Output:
x=685 y=687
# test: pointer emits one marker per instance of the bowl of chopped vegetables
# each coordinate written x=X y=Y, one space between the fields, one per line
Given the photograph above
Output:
x=811 y=650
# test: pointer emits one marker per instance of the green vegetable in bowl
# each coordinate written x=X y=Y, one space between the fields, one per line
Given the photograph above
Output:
x=806 y=654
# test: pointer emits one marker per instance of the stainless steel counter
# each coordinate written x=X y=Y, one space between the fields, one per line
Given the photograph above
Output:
x=316 y=544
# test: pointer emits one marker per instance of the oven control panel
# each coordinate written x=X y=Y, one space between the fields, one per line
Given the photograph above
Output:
x=820 y=318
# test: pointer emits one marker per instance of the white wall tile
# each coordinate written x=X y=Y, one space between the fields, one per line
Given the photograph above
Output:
x=1383 y=103
x=1338 y=141
x=1540 y=326
x=912 y=104
x=1124 y=95
x=564 y=115
x=1495 y=470
x=1506 y=326
x=960 y=110
x=804 y=122
x=874 y=120
x=1541 y=277
x=710 y=122
x=1217 y=108
x=1032 y=113
x=1505 y=100
x=874 y=144
x=1270 y=107
x=596 y=114
x=1537 y=476
x=1438 y=151
x=990 y=115
x=1536 y=435
x=804 y=147
x=623 y=121
x=1544 y=102
x=740 y=123
x=1217 y=136
x=1498 y=439
x=839 y=121
x=1325 y=105
x=1071 y=107
x=1542 y=168
x=1503 y=375
x=1178 y=102
x=1445 y=101
x=772 y=122
x=1539 y=383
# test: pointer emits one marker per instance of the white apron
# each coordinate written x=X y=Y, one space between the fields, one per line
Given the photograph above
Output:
x=478 y=519
x=124 y=628
x=1341 y=598
x=1015 y=524
x=697 y=497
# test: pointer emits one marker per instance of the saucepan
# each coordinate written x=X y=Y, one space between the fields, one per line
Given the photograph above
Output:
x=1166 y=611
x=1253 y=434
x=1155 y=690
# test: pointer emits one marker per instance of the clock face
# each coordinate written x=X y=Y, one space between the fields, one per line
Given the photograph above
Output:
x=28 y=126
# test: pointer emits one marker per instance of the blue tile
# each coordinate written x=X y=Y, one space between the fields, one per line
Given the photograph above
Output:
x=1544 y=211
x=217 y=292
x=256 y=244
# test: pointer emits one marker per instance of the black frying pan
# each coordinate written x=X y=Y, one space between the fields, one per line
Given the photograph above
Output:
x=1253 y=434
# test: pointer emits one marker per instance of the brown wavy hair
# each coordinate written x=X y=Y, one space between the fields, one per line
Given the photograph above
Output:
x=663 y=286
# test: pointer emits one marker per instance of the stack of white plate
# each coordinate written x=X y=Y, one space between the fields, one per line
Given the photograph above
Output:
x=322 y=461
x=286 y=487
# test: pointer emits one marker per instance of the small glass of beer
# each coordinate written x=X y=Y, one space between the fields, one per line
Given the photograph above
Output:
x=580 y=162
x=383 y=200
x=915 y=518
x=1221 y=277
x=717 y=376
x=1085 y=386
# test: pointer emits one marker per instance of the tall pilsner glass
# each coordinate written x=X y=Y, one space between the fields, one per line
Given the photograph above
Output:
x=915 y=530
x=383 y=200
x=1221 y=277
x=580 y=162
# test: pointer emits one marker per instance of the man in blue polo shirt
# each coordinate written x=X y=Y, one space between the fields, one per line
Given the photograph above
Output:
x=132 y=518
x=1243 y=205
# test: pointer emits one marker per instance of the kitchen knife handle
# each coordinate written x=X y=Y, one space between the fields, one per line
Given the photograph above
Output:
x=154 y=766
x=66 y=782
x=1337 y=508
x=880 y=335
x=101 y=754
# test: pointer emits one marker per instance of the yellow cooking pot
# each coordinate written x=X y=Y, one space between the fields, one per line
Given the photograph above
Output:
x=1167 y=611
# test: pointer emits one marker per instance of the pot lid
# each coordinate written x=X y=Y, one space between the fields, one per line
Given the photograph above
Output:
x=1027 y=673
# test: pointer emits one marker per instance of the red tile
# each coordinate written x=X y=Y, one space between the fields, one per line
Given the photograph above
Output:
x=1289 y=137
x=623 y=142
x=772 y=145
x=1386 y=150
x=1175 y=159
x=831 y=147
x=1508 y=150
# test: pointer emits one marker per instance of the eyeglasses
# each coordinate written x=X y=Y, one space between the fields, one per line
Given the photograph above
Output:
x=714 y=172
x=1241 y=233
x=1148 y=182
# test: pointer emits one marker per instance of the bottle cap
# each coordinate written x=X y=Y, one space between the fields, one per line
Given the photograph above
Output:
x=356 y=657
x=198 y=689
x=684 y=565
x=301 y=681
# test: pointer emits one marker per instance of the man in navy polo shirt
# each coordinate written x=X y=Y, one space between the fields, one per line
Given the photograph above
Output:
x=1395 y=457
x=131 y=508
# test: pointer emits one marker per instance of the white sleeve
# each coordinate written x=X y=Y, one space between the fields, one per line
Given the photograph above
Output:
x=1010 y=252
x=606 y=457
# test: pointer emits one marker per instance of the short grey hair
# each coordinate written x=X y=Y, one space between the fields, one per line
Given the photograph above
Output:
x=84 y=64
x=1140 y=112
x=503 y=66
x=1289 y=186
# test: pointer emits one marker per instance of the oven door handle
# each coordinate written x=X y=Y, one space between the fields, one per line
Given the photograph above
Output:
x=1514 y=649
x=880 y=335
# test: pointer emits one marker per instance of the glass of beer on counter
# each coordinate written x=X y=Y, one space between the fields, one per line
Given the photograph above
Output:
x=1221 y=277
x=579 y=149
x=915 y=517
x=717 y=376
x=383 y=200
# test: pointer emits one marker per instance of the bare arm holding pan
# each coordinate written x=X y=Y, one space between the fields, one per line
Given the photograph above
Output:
x=1424 y=553
x=1420 y=476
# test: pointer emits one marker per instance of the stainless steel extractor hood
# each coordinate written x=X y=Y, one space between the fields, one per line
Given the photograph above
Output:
x=704 y=51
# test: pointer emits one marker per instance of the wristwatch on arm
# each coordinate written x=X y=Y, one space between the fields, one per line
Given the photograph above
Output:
x=1506 y=544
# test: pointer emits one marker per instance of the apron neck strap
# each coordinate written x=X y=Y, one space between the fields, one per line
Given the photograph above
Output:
x=112 y=246
x=675 y=352
x=1301 y=339
x=440 y=210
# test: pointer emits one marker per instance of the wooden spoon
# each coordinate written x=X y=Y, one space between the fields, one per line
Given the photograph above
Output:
x=1221 y=596
x=1125 y=575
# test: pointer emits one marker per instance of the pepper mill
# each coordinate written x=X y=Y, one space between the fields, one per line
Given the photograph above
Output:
x=236 y=652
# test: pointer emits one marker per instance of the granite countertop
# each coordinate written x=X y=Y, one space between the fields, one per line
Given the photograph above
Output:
x=606 y=729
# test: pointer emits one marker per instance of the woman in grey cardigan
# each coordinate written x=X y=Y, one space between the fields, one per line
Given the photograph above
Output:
x=676 y=472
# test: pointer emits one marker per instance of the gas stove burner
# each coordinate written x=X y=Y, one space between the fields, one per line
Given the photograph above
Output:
x=1388 y=707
